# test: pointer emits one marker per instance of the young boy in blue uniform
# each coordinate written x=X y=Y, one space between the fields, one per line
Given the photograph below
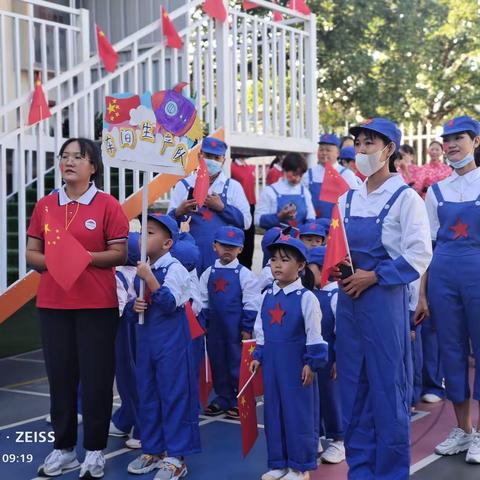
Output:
x=313 y=234
x=167 y=387
x=330 y=405
x=230 y=297
x=290 y=349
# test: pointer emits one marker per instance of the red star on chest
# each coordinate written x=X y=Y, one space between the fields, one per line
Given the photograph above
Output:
x=207 y=215
x=276 y=314
x=460 y=229
x=220 y=285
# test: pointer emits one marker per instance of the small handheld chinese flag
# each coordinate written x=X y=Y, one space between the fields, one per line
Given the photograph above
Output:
x=195 y=329
x=39 y=107
x=246 y=5
x=300 y=6
x=170 y=32
x=202 y=183
x=205 y=380
x=333 y=185
x=337 y=248
x=247 y=356
x=215 y=9
x=65 y=257
x=106 y=52
x=117 y=110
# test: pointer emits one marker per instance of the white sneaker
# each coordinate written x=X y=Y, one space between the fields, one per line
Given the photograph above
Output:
x=58 y=462
x=335 y=453
x=473 y=454
x=171 y=469
x=133 y=443
x=145 y=463
x=458 y=441
x=48 y=419
x=296 y=475
x=93 y=465
x=431 y=398
x=113 y=431
x=275 y=474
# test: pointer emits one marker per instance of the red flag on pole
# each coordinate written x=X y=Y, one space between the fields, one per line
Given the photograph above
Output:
x=300 y=6
x=118 y=109
x=247 y=356
x=246 y=5
x=106 y=52
x=195 y=329
x=333 y=185
x=337 y=247
x=202 y=183
x=65 y=256
x=247 y=408
x=205 y=380
x=215 y=9
x=170 y=32
x=39 y=106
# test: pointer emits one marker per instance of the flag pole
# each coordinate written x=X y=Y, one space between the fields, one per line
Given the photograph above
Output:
x=346 y=240
x=143 y=245
x=206 y=358
x=246 y=383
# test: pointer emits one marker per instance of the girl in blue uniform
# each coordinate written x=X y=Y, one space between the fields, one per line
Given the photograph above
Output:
x=453 y=296
x=386 y=227
x=286 y=202
x=330 y=408
x=290 y=349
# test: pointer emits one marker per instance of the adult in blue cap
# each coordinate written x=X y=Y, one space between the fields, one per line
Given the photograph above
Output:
x=453 y=297
x=386 y=227
x=226 y=203
x=328 y=152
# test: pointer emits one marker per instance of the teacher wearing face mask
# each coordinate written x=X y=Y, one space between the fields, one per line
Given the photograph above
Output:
x=386 y=226
x=226 y=203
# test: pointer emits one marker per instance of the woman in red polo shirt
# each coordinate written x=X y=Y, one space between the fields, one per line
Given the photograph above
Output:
x=78 y=326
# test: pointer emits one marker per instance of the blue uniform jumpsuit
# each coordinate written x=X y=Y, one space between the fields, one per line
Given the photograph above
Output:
x=453 y=292
x=373 y=356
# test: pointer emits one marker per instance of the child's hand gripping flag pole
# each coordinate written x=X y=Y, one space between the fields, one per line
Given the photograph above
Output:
x=143 y=243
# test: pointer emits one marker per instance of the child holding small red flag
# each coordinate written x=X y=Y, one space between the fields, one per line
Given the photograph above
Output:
x=290 y=349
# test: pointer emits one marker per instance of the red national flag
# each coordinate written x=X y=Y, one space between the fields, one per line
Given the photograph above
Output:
x=300 y=6
x=247 y=408
x=106 y=52
x=247 y=356
x=277 y=16
x=202 y=183
x=205 y=380
x=170 y=32
x=65 y=257
x=39 y=107
x=333 y=185
x=117 y=110
x=337 y=249
x=195 y=329
x=246 y=5
x=215 y=9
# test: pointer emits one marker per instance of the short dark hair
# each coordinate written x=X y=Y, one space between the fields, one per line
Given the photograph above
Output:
x=433 y=142
x=407 y=149
x=294 y=162
x=307 y=277
x=88 y=148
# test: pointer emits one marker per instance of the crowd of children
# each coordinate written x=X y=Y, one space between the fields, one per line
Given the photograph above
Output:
x=341 y=363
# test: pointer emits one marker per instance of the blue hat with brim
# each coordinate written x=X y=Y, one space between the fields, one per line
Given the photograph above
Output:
x=291 y=242
x=186 y=252
x=313 y=228
x=317 y=255
x=230 y=236
x=383 y=126
x=214 y=146
x=330 y=139
x=133 y=248
x=347 y=153
x=461 y=124
x=168 y=222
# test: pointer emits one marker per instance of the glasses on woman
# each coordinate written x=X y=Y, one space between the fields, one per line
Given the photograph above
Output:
x=75 y=157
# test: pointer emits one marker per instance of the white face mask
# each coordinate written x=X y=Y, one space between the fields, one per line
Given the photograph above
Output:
x=369 y=164
x=461 y=163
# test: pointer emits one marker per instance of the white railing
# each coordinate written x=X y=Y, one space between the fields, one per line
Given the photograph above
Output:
x=224 y=64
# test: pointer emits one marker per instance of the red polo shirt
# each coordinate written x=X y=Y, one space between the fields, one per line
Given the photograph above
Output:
x=95 y=220
x=245 y=175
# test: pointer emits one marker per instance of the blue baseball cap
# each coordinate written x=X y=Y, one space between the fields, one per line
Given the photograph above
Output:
x=168 y=222
x=186 y=252
x=133 y=248
x=292 y=242
x=214 y=146
x=230 y=236
x=347 y=153
x=384 y=126
x=317 y=255
x=329 y=138
x=313 y=228
x=461 y=124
